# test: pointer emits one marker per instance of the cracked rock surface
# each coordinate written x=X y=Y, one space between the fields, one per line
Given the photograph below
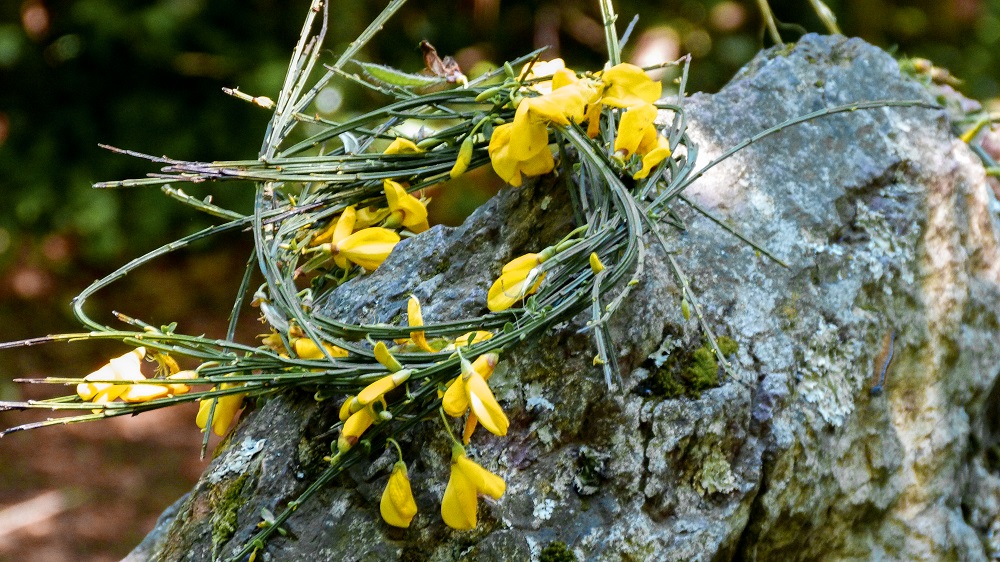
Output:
x=889 y=232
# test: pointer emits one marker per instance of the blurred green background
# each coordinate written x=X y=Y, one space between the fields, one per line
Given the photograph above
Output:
x=147 y=76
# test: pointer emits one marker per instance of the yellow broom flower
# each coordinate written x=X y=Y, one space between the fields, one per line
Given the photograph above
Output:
x=416 y=319
x=306 y=348
x=470 y=391
x=350 y=406
x=516 y=281
x=508 y=166
x=145 y=392
x=367 y=248
x=401 y=145
x=226 y=409
x=123 y=368
x=404 y=208
x=354 y=427
x=375 y=390
x=469 y=338
x=636 y=130
x=461 y=497
x=398 y=506
x=627 y=85
x=463 y=159
x=338 y=229
x=369 y=216
x=652 y=158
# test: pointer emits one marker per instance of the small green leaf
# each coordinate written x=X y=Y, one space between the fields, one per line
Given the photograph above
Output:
x=394 y=77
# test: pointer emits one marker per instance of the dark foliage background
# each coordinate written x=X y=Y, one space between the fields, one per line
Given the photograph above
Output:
x=147 y=75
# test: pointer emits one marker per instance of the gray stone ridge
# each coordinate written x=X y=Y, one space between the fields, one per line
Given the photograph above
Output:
x=890 y=235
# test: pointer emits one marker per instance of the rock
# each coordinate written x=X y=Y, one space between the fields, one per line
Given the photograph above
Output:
x=884 y=220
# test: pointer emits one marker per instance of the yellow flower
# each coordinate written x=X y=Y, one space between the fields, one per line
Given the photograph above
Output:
x=461 y=497
x=398 y=506
x=469 y=390
x=627 y=85
x=509 y=167
x=556 y=68
x=595 y=263
x=652 y=158
x=122 y=368
x=636 y=130
x=484 y=365
x=530 y=131
x=338 y=229
x=402 y=146
x=367 y=248
x=469 y=338
x=541 y=69
x=637 y=135
x=305 y=348
x=146 y=392
x=530 y=134
x=375 y=390
x=522 y=146
x=386 y=358
x=564 y=77
x=226 y=409
x=516 y=282
x=416 y=319
x=369 y=216
x=356 y=424
x=404 y=208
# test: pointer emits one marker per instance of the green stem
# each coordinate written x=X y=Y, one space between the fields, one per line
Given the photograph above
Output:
x=610 y=34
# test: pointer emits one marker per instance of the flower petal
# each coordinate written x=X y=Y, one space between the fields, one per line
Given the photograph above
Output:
x=504 y=163
x=144 y=392
x=369 y=216
x=375 y=390
x=652 y=158
x=633 y=127
x=524 y=264
x=355 y=425
x=485 y=363
x=460 y=502
x=226 y=409
x=415 y=318
x=485 y=481
x=463 y=159
x=485 y=405
x=628 y=85
x=125 y=367
x=369 y=247
x=402 y=145
x=470 y=427
x=456 y=399
x=530 y=135
x=306 y=348
x=510 y=288
x=414 y=212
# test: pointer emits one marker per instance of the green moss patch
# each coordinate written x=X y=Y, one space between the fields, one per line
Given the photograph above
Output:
x=225 y=500
x=688 y=373
x=557 y=551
